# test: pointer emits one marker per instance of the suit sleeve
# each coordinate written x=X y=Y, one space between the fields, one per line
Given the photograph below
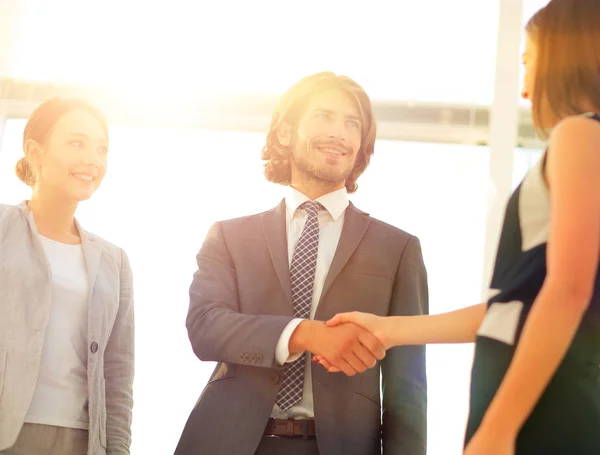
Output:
x=218 y=331
x=119 y=368
x=404 y=417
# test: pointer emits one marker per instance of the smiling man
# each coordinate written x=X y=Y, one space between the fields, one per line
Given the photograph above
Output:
x=264 y=281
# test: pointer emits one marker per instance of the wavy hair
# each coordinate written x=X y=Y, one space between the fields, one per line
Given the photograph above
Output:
x=290 y=109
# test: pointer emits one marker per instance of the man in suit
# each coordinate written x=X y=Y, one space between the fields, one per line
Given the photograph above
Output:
x=265 y=281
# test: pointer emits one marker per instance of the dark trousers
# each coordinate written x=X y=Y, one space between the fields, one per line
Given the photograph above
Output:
x=287 y=446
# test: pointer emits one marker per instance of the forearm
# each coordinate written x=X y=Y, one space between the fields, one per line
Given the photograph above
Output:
x=119 y=404
x=458 y=326
x=221 y=335
x=546 y=336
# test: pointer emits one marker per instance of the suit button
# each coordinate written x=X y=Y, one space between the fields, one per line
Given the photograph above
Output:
x=275 y=379
x=94 y=347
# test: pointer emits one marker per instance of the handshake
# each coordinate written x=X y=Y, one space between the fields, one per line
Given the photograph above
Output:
x=349 y=342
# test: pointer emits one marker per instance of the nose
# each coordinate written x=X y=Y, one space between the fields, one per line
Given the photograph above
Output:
x=338 y=130
x=93 y=158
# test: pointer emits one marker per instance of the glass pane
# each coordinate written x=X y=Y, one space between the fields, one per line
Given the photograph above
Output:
x=166 y=186
x=397 y=50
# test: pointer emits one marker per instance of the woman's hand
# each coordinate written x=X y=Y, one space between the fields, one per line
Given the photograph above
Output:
x=375 y=324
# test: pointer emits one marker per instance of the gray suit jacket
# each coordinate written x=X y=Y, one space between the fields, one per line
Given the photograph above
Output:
x=25 y=287
x=240 y=303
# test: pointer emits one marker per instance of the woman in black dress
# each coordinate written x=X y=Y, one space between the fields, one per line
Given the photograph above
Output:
x=535 y=383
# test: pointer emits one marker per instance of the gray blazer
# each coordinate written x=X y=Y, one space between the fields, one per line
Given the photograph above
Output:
x=25 y=286
x=241 y=301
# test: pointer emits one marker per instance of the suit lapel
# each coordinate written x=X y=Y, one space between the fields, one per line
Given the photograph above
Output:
x=274 y=230
x=355 y=226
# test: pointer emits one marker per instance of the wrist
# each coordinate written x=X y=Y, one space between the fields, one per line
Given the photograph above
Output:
x=301 y=337
x=392 y=331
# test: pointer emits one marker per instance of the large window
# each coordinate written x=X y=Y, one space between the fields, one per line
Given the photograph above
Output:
x=165 y=187
x=424 y=51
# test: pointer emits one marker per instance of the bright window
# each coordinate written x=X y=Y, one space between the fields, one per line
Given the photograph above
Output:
x=165 y=187
x=424 y=51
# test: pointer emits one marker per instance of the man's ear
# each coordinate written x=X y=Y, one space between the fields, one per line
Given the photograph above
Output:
x=284 y=134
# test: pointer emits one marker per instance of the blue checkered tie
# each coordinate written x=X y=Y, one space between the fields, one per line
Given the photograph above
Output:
x=302 y=274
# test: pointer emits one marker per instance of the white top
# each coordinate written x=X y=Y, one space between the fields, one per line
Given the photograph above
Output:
x=331 y=223
x=61 y=395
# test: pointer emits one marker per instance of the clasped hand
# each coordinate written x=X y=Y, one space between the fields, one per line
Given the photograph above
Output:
x=351 y=343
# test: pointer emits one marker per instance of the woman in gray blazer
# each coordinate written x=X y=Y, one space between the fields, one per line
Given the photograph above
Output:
x=66 y=300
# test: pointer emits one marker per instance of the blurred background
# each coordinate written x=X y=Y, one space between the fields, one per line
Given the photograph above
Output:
x=189 y=87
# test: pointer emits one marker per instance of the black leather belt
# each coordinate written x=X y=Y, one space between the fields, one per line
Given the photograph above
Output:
x=290 y=428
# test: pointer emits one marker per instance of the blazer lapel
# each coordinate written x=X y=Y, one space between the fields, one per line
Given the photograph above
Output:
x=92 y=253
x=355 y=226
x=274 y=230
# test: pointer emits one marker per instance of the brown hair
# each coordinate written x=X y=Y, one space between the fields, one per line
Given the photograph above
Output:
x=40 y=124
x=567 y=38
x=291 y=108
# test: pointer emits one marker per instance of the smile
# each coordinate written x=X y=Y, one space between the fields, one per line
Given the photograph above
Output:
x=84 y=177
x=331 y=151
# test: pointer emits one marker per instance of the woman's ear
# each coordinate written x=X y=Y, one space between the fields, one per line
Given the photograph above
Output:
x=33 y=152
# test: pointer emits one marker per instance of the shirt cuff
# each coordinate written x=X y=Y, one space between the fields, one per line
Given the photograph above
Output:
x=282 y=350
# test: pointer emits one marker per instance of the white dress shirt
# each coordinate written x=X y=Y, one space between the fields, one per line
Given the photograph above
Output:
x=331 y=222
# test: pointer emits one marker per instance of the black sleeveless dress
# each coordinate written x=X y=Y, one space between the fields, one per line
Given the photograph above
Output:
x=566 y=420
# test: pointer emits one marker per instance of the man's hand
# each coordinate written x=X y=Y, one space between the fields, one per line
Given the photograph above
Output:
x=347 y=347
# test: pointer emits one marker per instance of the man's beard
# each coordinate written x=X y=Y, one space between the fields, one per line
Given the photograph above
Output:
x=303 y=163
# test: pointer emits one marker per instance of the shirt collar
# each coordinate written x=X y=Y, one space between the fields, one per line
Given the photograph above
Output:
x=335 y=202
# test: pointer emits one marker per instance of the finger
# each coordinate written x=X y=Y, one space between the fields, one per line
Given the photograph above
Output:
x=327 y=365
x=372 y=343
x=357 y=365
x=339 y=318
x=346 y=368
x=365 y=356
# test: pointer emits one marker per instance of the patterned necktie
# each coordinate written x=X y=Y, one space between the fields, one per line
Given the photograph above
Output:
x=302 y=274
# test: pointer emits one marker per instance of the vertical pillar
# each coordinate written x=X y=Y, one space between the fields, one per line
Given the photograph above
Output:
x=503 y=128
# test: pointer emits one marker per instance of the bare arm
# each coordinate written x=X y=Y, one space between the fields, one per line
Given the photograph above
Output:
x=458 y=326
x=572 y=257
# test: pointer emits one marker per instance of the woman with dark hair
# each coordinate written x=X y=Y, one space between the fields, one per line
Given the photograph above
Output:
x=535 y=385
x=66 y=300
